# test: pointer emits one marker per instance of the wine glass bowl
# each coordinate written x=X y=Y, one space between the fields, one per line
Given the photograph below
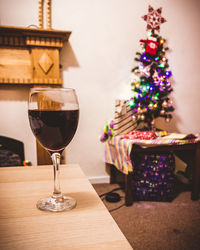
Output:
x=53 y=116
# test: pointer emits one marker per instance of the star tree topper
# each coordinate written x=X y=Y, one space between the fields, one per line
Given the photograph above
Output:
x=154 y=18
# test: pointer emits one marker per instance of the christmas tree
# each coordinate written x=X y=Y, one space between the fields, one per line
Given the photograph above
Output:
x=151 y=85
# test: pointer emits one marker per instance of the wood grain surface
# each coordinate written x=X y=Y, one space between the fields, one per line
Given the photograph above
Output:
x=22 y=226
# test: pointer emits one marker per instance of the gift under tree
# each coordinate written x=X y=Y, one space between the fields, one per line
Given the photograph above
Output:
x=151 y=86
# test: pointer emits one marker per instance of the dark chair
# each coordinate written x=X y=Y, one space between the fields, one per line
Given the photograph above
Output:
x=11 y=152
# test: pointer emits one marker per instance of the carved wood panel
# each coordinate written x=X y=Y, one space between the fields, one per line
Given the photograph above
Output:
x=30 y=56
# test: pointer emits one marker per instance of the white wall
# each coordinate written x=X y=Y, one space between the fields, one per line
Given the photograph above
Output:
x=97 y=62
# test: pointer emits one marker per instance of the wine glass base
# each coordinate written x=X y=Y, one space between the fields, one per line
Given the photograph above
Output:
x=56 y=204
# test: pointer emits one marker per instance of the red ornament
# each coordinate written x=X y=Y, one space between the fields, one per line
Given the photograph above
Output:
x=151 y=46
x=154 y=18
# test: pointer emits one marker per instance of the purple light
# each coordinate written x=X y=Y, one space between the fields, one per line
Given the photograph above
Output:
x=168 y=73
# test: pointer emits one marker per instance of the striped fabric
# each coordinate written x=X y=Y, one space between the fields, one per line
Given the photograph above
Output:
x=123 y=121
x=117 y=153
x=118 y=149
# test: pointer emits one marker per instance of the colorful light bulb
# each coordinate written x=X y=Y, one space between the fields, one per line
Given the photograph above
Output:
x=168 y=73
x=131 y=103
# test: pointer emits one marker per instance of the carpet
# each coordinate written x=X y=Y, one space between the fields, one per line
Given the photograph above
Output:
x=157 y=225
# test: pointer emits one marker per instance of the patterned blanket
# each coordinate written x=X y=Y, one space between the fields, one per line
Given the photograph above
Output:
x=118 y=149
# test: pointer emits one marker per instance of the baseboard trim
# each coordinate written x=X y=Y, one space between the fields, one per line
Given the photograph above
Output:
x=99 y=179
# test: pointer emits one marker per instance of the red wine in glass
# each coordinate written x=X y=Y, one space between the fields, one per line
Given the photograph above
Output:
x=53 y=116
x=60 y=124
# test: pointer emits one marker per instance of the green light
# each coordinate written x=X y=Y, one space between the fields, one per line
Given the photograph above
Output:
x=131 y=103
x=161 y=65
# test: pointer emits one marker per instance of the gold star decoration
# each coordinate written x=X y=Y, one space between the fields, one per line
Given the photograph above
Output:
x=154 y=18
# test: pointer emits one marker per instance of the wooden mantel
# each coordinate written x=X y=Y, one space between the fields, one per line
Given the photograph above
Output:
x=30 y=55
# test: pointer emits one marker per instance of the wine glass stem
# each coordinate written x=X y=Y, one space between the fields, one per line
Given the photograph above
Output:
x=56 y=167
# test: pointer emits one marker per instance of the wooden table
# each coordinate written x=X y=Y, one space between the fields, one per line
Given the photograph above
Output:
x=23 y=226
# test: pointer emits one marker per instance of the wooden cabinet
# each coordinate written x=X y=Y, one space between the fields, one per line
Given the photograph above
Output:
x=30 y=56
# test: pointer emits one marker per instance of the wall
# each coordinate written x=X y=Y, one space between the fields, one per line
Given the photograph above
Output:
x=97 y=62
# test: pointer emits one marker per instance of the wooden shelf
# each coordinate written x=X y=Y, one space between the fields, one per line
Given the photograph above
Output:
x=30 y=56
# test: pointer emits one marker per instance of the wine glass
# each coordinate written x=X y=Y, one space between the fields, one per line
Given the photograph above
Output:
x=53 y=115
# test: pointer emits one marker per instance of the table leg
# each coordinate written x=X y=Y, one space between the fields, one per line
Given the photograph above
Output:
x=196 y=175
x=128 y=189
x=113 y=173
